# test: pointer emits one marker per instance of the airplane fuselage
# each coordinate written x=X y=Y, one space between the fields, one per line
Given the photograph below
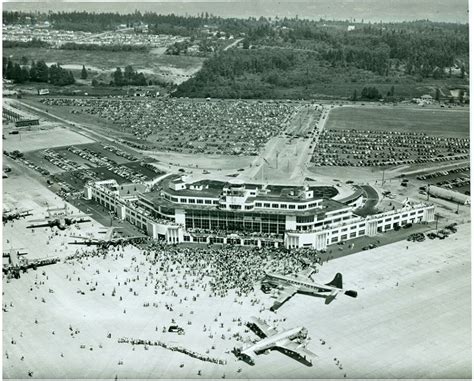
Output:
x=303 y=286
x=272 y=341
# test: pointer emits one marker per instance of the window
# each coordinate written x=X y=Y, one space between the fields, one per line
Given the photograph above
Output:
x=353 y=234
x=200 y=201
x=334 y=239
x=208 y=201
x=215 y=202
x=361 y=232
x=266 y=205
x=291 y=206
x=248 y=207
x=258 y=204
x=344 y=229
x=274 y=205
x=183 y=200
x=283 y=206
x=343 y=237
x=174 y=199
x=192 y=201
x=302 y=206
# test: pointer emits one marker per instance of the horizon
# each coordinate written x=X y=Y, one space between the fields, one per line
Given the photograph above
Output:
x=372 y=11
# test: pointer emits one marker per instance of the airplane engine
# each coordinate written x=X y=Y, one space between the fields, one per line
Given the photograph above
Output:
x=351 y=293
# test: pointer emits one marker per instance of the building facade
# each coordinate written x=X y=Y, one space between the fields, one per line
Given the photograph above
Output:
x=214 y=212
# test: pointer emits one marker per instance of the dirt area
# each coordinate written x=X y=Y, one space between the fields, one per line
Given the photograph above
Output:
x=41 y=139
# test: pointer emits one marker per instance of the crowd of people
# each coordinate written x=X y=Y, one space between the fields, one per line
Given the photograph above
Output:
x=176 y=280
x=339 y=147
x=172 y=348
x=190 y=126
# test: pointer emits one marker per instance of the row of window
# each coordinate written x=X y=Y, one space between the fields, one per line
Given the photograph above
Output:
x=285 y=206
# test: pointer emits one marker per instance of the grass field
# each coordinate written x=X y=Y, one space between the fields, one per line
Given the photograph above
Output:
x=449 y=123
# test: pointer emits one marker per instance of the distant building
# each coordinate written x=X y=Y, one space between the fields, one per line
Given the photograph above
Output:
x=449 y=195
x=350 y=28
x=20 y=117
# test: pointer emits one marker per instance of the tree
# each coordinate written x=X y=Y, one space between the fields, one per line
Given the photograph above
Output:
x=354 y=96
x=437 y=94
x=23 y=60
x=94 y=82
x=461 y=96
x=10 y=69
x=4 y=65
x=392 y=91
x=42 y=71
x=33 y=72
x=245 y=44
x=83 y=72
x=128 y=74
x=118 y=77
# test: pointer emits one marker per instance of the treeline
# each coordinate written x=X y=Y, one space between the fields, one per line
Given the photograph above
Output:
x=37 y=72
x=127 y=77
x=33 y=43
x=420 y=48
x=106 y=48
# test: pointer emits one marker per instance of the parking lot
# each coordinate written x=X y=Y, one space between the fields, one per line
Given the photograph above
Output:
x=226 y=127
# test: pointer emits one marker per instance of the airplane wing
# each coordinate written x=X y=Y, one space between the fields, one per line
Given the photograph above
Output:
x=134 y=237
x=261 y=328
x=87 y=243
x=286 y=293
x=38 y=224
x=307 y=272
x=295 y=350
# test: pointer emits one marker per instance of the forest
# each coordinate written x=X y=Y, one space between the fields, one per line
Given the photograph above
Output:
x=292 y=57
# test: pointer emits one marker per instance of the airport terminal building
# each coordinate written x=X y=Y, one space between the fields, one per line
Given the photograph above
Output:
x=216 y=212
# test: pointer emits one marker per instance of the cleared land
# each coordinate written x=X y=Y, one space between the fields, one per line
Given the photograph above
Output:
x=448 y=123
x=103 y=62
x=41 y=139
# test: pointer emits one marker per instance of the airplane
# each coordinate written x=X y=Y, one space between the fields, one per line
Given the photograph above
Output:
x=16 y=263
x=107 y=241
x=291 y=342
x=10 y=215
x=14 y=256
x=62 y=220
x=288 y=285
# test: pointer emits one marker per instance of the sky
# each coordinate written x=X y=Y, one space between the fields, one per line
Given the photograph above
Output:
x=367 y=10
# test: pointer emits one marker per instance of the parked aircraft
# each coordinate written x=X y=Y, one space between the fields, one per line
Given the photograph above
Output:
x=59 y=217
x=16 y=263
x=291 y=342
x=288 y=285
x=10 y=215
x=107 y=241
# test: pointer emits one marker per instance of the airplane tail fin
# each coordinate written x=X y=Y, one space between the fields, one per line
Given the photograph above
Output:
x=336 y=282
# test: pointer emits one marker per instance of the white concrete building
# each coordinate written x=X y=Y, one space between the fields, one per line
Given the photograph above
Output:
x=248 y=214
